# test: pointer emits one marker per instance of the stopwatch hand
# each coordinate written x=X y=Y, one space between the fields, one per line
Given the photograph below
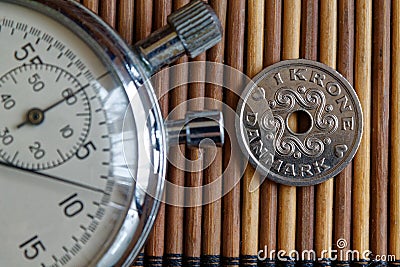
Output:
x=35 y=116
x=50 y=177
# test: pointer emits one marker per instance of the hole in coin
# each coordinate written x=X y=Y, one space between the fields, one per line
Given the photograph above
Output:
x=299 y=122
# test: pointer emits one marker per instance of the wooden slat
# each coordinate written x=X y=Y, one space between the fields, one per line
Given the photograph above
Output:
x=343 y=181
x=193 y=214
x=92 y=5
x=231 y=202
x=174 y=238
x=380 y=126
x=362 y=84
x=250 y=197
x=324 y=193
x=287 y=194
x=269 y=189
x=108 y=11
x=126 y=18
x=395 y=136
x=305 y=195
x=143 y=14
x=211 y=247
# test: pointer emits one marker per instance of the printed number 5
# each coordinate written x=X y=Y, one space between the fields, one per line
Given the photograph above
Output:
x=33 y=249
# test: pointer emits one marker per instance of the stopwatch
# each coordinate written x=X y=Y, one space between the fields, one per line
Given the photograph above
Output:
x=82 y=142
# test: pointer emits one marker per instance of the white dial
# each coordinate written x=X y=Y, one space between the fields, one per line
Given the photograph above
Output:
x=36 y=134
x=65 y=186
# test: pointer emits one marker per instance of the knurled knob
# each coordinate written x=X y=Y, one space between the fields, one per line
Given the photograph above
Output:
x=197 y=26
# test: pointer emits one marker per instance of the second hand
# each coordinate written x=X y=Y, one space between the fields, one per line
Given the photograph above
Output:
x=54 y=178
x=39 y=113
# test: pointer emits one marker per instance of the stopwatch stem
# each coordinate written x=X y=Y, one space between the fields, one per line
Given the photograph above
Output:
x=192 y=30
x=195 y=128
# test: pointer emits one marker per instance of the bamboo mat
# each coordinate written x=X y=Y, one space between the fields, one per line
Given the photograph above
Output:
x=357 y=210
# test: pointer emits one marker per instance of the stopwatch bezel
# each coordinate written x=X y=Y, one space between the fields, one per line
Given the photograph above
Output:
x=123 y=62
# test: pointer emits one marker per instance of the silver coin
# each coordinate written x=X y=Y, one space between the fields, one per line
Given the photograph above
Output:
x=327 y=136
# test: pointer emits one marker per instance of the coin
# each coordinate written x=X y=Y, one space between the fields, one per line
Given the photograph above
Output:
x=326 y=137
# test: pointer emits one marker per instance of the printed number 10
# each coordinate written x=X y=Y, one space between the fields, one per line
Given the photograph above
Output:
x=72 y=205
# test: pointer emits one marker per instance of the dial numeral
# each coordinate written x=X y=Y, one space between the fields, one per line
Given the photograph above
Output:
x=37 y=151
x=8 y=101
x=69 y=96
x=84 y=151
x=32 y=247
x=6 y=137
x=35 y=81
x=72 y=205
x=67 y=132
x=25 y=51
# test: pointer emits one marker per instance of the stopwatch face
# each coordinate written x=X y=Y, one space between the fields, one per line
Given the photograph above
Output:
x=75 y=133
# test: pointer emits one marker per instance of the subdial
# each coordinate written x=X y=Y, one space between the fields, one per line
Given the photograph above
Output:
x=45 y=116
